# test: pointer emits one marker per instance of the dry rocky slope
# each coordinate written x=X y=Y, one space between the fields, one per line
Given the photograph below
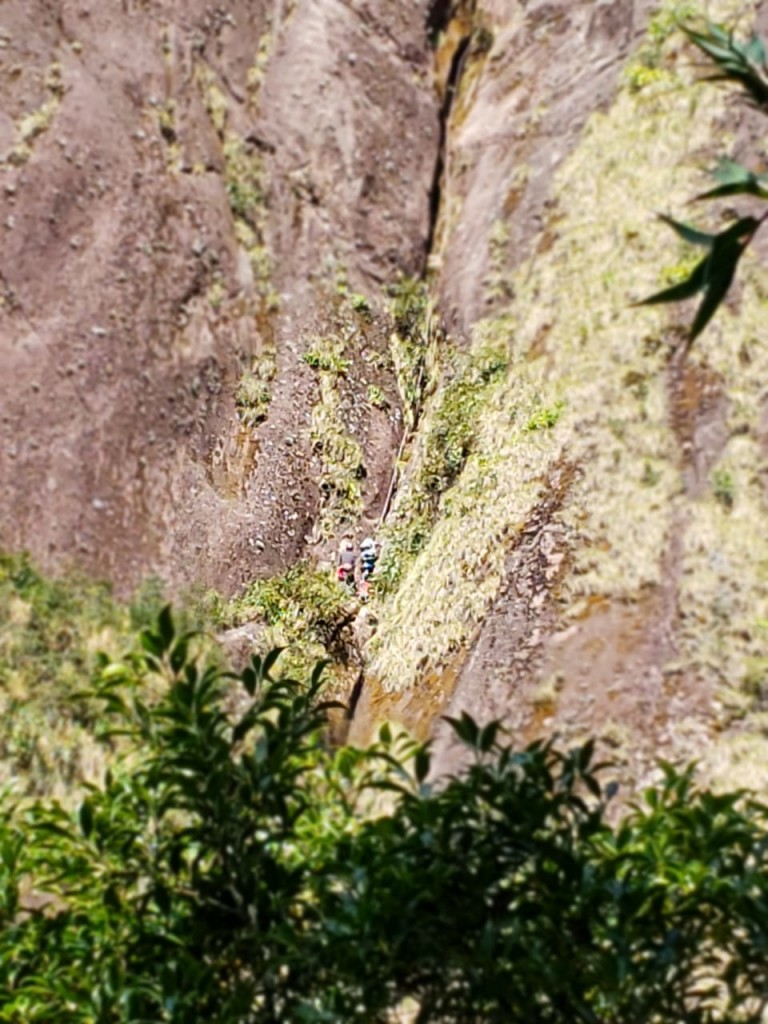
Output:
x=196 y=197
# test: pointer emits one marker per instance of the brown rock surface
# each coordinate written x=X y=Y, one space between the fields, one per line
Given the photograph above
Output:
x=129 y=306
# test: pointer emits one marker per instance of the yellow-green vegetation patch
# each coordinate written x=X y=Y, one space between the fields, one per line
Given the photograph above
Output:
x=609 y=359
x=327 y=354
x=446 y=440
x=724 y=585
x=587 y=382
x=723 y=592
x=377 y=398
x=38 y=121
x=258 y=69
x=648 y=65
x=342 y=465
x=456 y=575
x=253 y=395
x=414 y=344
x=51 y=635
x=245 y=180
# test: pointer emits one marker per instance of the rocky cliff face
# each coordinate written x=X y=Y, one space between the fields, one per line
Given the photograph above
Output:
x=187 y=189
x=597 y=566
x=203 y=208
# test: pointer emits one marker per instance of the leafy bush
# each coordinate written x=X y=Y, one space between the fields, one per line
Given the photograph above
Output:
x=304 y=604
x=233 y=868
x=723 y=487
x=341 y=456
x=376 y=397
x=546 y=417
x=327 y=359
x=342 y=463
x=647 y=66
x=405 y=535
x=451 y=433
x=244 y=180
x=359 y=303
x=415 y=331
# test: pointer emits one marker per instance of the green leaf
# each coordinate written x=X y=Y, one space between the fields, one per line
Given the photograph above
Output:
x=318 y=671
x=685 y=290
x=151 y=642
x=246 y=723
x=466 y=728
x=726 y=253
x=421 y=764
x=165 y=627
x=248 y=678
x=743 y=63
x=713 y=274
x=689 y=233
x=735 y=179
x=487 y=736
x=112 y=898
x=754 y=51
x=270 y=660
x=585 y=755
x=85 y=818
x=179 y=654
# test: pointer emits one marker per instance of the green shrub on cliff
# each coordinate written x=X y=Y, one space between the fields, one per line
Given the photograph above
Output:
x=744 y=62
x=304 y=603
x=232 y=867
x=449 y=434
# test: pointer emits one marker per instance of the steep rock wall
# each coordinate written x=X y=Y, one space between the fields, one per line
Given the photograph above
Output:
x=200 y=209
x=185 y=189
x=598 y=567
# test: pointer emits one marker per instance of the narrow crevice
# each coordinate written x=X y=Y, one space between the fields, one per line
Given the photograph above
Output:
x=436 y=189
x=438 y=18
x=441 y=17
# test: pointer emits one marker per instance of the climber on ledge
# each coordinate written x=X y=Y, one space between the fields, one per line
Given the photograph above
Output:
x=345 y=572
x=368 y=556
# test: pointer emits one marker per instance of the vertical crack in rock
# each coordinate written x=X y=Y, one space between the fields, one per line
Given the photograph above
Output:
x=441 y=14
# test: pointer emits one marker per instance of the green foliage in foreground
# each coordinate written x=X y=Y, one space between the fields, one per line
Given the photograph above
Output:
x=744 y=63
x=49 y=634
x=233 y=868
